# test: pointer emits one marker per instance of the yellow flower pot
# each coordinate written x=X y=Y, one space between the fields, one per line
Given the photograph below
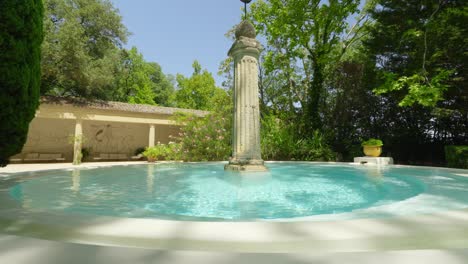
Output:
x=372 y=151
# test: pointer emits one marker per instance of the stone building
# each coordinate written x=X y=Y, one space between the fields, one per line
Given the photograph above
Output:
x=109 y=130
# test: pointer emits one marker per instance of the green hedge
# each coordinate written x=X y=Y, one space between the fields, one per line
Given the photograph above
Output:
x=20 y=54
x=457 y=156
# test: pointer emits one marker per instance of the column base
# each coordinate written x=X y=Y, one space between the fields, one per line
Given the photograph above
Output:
x=246 y=166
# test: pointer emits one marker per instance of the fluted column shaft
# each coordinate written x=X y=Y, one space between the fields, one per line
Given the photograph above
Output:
x=246 y=128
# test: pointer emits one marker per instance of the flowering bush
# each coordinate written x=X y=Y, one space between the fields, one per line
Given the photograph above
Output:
x=204 y=139
x=174 y=151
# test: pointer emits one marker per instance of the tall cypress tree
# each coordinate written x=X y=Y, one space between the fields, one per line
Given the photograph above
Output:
x=20 y=54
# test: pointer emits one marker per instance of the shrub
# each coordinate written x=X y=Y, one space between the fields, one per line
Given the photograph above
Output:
x=277 y=139
x=204 y=139
x=278 y=142
x=372 y=142
x=174 y=151
x=314 y=148
x=457 y=156
x=158 y=152
x=354 y=150
x=20 y=53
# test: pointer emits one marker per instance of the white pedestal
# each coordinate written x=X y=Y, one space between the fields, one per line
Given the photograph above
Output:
x=374 y=160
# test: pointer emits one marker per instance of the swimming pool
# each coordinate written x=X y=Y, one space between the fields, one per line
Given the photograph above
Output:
x=290 y=191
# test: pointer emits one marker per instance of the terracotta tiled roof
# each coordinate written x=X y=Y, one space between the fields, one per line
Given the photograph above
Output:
x=119 y=106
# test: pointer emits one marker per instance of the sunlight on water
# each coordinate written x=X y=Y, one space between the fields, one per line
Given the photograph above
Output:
x=206 y=192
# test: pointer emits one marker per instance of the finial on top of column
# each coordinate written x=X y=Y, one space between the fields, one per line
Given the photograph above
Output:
x=245 y=28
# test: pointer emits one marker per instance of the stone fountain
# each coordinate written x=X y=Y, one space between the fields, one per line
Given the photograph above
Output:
x=246 y=151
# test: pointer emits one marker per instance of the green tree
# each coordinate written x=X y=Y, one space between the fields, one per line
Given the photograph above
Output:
x=81 y=47
x=20 y=54
x=304 y=39
x=199 y=91
x=421 y=64
x=133 y=82
x=138 y=81
x=422 y=57
x=161 y=85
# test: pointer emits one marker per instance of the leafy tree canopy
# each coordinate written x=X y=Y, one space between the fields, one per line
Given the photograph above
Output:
x=422 y=56
x=141 y=82
x=304 y=39
x=81 y=47
x=199 y=91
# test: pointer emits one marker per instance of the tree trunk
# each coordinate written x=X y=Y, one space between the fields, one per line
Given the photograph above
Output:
x=314 y=94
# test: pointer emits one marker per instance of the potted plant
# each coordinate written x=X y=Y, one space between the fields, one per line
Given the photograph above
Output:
x=155 y=153
x=372 y=147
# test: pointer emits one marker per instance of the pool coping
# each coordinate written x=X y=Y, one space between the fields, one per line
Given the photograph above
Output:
x=442 y=230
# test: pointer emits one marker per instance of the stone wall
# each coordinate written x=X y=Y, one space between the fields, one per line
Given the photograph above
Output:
x=56 y=136
x=50 y=136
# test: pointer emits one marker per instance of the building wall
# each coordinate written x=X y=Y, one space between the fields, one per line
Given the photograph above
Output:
x=113 y=137
x=50 y=136
x=52 y=131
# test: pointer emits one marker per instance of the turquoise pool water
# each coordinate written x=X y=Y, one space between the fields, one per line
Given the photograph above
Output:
x=204 y=191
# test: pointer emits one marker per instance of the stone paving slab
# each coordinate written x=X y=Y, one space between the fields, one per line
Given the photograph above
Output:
x=20 y=250
x=16 y=168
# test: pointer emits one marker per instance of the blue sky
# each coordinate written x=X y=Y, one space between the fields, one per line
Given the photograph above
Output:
x=174 y=33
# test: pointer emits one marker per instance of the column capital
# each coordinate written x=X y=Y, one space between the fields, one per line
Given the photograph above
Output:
x=246 y=46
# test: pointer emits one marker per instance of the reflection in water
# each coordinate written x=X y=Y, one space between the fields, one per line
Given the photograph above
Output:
x=27 y=202
x=249 y=184
x=76 y=180
x=150 y=178
x=373 y=173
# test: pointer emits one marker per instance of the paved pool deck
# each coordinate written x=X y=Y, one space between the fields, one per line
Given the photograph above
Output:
x=21 y=250
x=58 y=238
x=17 y=168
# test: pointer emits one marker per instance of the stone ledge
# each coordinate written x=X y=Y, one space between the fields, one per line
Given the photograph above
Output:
x=374 y=160
x=245 y=168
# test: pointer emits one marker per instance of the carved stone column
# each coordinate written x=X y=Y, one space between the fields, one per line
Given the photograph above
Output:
x=152 y=136
x=246 y=151
x=78 y=142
